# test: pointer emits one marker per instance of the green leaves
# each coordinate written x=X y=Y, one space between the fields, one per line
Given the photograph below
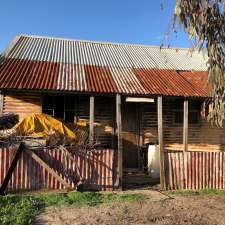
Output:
x=204 y=22
x=16 y=210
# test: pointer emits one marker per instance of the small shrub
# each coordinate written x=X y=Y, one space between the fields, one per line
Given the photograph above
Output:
x=18 y=210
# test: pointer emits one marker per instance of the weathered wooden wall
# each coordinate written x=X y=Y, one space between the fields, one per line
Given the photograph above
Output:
x=27 y=104
x=22 y=104
x=201 y=136
x=96 y=169
x=195 y=170
x=105 y=120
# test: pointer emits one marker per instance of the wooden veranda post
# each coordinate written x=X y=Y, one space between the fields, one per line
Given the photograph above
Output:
x=185 y=126
x=91 y=120
x=160 y=139
x=1 y=103
x=119 y=141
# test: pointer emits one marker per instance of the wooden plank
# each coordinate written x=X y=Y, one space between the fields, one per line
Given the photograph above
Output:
x=135 y=99
x=12 y=168
x=160 y=139
x=50 y=170
x=91 y=120
x=21 y=104
x=185 y=126
x=119 y=180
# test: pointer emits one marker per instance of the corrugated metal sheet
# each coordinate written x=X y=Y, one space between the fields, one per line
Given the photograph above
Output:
x=195 y=170
x=43 y=63
x=96 y=169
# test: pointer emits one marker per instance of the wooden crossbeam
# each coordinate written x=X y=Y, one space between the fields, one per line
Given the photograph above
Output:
x=48 y=168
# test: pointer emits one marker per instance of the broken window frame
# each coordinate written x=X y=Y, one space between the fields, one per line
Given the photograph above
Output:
x=66 y=110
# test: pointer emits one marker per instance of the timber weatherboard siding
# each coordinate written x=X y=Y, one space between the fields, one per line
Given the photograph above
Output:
x=201 y=136
x=22 y=104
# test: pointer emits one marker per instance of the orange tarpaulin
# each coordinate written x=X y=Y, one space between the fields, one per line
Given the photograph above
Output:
x=43 y=125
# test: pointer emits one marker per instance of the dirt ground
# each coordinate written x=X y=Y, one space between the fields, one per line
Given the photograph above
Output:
x=156 y=209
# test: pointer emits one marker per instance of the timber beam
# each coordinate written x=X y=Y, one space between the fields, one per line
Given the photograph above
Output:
x=119 y=180
x=91 y=120
x=185 y=126
x=35 y=157
x=160 y=140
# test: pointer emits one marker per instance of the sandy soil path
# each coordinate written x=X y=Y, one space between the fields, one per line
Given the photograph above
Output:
x=156 y=209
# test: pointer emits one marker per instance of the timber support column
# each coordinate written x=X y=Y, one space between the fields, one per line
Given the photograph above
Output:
x=160 y=139
x=119 y=181
x=185 y=126
x=1 y=103
x=91 y=119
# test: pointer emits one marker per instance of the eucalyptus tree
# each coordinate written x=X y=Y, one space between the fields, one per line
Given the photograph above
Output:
x=204 y=21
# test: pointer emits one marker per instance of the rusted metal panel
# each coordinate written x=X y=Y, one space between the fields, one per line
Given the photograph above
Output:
x=42 y=63
x=170 y=82
x=99 y=79
x=96 y=169
x=195 y=170
x=26 y=74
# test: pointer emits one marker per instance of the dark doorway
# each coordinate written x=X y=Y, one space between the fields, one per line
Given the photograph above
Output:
x=130 y=126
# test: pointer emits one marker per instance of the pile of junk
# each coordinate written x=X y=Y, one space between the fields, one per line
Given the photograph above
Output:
x=41 y=130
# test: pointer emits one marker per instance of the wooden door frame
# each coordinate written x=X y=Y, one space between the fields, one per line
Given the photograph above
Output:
x=138 y=128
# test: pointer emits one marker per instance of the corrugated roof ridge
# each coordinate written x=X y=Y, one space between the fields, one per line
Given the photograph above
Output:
x=11 y=45
x=104 y=42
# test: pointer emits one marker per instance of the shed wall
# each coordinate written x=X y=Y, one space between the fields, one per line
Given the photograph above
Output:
x=22 y=104
x=25 y=105
x=201 y=137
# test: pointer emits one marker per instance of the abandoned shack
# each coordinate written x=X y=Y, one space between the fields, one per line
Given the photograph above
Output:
x=146 y=107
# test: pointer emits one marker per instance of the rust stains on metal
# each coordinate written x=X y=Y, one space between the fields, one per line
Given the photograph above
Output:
x=195 y=170
x=28 y=74
x=99 y=79
x=44 y=63
x=44 y=75
x=30 y=176
x=171 y=82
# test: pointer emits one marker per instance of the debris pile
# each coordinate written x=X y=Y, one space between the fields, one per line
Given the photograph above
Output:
x=7 y=121
x=42 y=126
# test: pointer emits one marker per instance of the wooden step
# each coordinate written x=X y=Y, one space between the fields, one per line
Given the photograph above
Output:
x=139 y=180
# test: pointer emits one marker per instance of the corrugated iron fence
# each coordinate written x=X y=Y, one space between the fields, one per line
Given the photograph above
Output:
x=195 y=170
x=95 y=167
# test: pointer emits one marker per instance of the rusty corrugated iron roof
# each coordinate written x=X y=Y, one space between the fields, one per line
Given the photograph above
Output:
x=42 y=63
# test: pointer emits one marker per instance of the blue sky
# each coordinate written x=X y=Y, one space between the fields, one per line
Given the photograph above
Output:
x=131 y=21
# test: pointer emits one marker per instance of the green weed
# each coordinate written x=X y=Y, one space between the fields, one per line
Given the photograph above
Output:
x=22 y=210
